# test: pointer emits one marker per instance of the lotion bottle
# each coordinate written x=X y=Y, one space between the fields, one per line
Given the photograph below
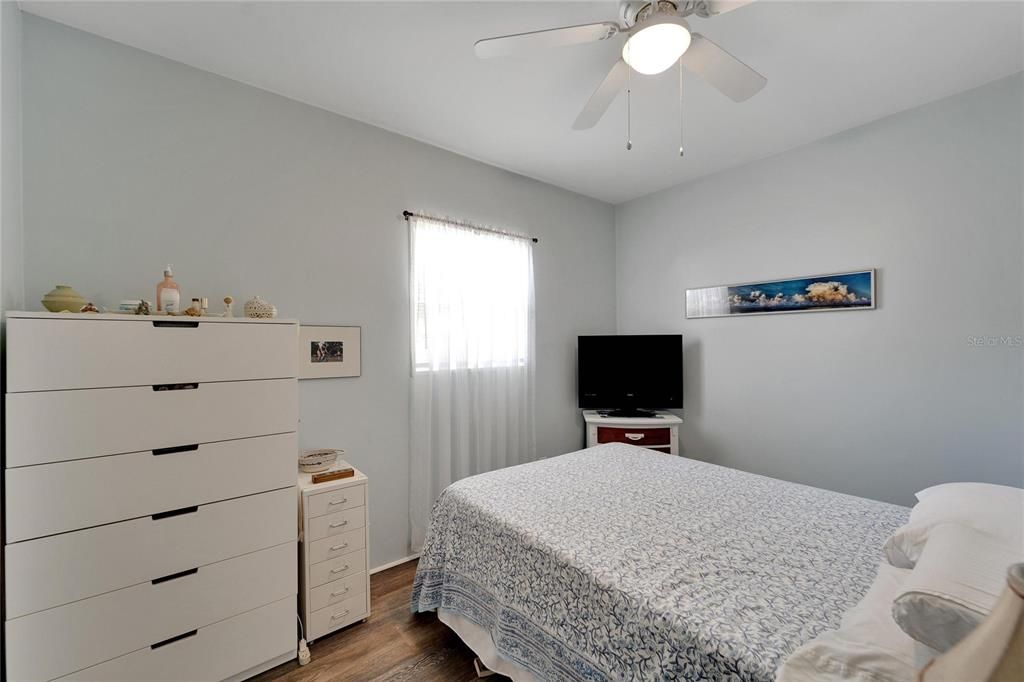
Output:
x=168 y=295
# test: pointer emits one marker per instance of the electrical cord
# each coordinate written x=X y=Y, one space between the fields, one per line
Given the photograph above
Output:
x=303 y=653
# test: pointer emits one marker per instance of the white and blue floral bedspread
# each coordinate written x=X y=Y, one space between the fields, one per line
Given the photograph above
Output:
x=617 y=562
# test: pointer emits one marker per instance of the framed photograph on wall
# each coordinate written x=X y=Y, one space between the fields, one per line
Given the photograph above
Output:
x=328 y=352
x=820 y=293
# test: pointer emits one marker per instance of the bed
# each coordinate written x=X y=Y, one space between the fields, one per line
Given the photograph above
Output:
x=617 y=562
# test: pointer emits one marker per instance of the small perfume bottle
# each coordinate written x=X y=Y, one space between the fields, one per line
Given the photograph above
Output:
x=168 y=295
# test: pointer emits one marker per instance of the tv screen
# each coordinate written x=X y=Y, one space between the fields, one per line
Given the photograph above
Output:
x=630 y=373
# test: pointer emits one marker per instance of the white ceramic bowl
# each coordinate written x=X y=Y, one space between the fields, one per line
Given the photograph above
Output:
x=313 y=461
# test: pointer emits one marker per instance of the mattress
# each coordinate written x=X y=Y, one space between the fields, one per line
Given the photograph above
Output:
x=618 y=562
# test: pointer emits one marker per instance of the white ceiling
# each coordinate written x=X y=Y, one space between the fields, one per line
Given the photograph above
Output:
x=410 y=68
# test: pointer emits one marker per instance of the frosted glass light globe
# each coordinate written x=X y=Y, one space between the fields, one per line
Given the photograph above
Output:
x=657 y=46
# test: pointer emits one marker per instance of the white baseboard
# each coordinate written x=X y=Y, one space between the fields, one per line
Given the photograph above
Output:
x=396 y=562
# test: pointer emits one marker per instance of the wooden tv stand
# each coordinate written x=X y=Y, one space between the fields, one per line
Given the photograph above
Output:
x=660 y=432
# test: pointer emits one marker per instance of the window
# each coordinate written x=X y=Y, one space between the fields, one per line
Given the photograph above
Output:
x=471 y=297
x=471 y=406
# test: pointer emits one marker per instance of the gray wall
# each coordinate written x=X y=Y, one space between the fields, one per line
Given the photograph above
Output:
x=877 y=403
x=11 y=267
x=132 y=161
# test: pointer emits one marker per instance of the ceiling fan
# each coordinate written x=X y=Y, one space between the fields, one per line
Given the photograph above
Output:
x=657 y=36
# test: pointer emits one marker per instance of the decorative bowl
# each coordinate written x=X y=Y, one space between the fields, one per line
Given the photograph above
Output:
x=258 y=308
x=315 y=461
x=63 y=298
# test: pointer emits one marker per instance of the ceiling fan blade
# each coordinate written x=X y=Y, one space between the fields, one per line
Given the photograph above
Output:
x=602 y=97
x=539 y=40
x=732 y=77
x=712 y=8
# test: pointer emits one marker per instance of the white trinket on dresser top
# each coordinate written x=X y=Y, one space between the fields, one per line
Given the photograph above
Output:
x=149 y=497
x=660 y=432
x=334 y=571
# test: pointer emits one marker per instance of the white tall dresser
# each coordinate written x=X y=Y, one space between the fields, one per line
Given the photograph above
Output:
x=149 y=497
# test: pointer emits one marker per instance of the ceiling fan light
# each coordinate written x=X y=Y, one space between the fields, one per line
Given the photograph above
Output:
x=657 y=46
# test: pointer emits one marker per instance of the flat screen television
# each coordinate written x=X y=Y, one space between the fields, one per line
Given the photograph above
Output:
x=630 y=375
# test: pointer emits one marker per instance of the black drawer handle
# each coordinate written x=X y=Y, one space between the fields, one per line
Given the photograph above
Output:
x=175 y=512
x=176 y=638
x=176 y=448
x=176 y=387
x=174 y=576
x=179 y=324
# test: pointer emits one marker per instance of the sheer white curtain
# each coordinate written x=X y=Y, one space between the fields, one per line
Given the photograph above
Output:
x=472 y=346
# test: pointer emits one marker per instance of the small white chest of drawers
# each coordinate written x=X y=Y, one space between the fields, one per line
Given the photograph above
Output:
x=657 y=432
x=149 y=497
x=334 y=571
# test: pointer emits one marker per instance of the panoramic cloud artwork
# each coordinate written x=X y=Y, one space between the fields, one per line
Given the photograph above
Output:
x=840 y=291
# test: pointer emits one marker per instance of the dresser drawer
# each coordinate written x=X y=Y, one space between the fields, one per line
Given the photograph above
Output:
x=336 y=500
x=66 y=639
x=642 y=437
x=337 y=591
x=334 y=524
x=336 y=616
x=77 y=352
x=67 y=567
x=215 y=652
x=65 y=425
x=336 y=569
x=54 y=498
x=336 y=545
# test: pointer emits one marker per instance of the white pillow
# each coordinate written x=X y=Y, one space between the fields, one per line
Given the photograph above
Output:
x=867 y=647
x=994 y=509
x=958 y=579
x=980 y=487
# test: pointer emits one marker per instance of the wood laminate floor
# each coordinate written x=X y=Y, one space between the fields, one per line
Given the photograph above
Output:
x=394 y=644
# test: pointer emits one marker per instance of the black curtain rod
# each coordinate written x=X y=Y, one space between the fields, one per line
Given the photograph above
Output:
x=410 y=214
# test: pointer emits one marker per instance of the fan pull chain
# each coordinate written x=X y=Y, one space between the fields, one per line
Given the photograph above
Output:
x=629 y=133
x=680 y=106
x=629 y=136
